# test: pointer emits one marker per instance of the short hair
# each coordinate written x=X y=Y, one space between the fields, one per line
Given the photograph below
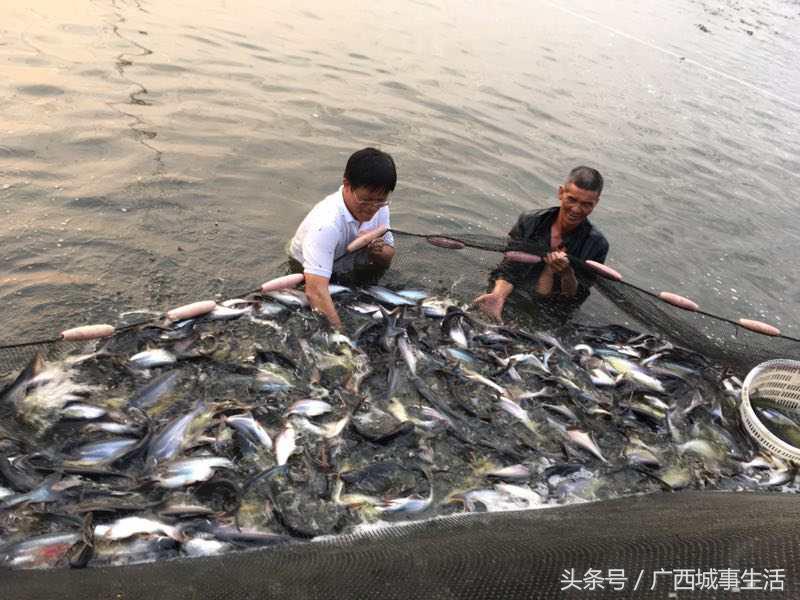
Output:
x=586 y=178
x=371 y=168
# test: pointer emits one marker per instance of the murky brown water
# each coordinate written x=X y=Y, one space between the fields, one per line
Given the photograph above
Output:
x=155 y=153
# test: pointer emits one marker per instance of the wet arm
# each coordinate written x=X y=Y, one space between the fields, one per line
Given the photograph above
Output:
x=320 y=298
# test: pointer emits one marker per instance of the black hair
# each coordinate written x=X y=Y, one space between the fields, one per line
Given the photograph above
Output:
x=586 y=178
x=371 y=168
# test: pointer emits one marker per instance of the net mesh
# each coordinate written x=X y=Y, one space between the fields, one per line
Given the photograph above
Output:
x=467 y=270
x=464 y=262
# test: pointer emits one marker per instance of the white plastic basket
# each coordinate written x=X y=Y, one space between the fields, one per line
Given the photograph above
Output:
x=777 y=381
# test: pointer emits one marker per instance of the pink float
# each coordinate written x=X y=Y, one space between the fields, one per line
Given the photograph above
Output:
x=679 y=301
x=522 y=257
x=604 y=270
x=190 y=311
x=282 y=283
x=366 y=237
x=445 y=242
x=87 y=332
x=759 y=327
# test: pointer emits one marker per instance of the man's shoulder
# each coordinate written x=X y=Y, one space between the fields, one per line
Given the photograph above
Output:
x=531 y=218
x=596 y=235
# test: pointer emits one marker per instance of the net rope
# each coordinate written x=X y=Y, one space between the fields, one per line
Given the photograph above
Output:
x=716 y=336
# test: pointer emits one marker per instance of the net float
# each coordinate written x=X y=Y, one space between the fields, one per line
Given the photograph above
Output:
x=604 y=270
x=87 y=332
x=445 y=242
x=522 y=257
x=366 y=237
x=759 y=327
x=190 y=311
x=282 y=283
x=679 y=301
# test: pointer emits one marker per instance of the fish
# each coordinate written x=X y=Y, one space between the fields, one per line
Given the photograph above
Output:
x=478 y=378
x=413 y=295
x=290 y=298
x=511 y=473
x=181 y=473
x=251 y=429
x=49 y=491
x=225 y=313
x=103 y=452
x=335 y=290
x=632 y=372
x=327 y=431
x=171 y=439
x=132 y=526
x=584 y=440
x=81 y=411
x=407 y=352
x=387 y=296
x=38 y=552
x=309 y=408
x=150 y=359
x=409 y=504
x=153 y=392
x=516 y=411
x=285 y=444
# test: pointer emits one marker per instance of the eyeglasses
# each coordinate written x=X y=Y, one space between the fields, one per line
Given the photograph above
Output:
x=372 y=203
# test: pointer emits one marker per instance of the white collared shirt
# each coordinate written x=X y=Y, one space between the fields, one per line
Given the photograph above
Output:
x=323 y=236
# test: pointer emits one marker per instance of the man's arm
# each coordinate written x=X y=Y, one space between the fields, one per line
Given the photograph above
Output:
x=320 y=298
x=380 y=254
x=493 y=302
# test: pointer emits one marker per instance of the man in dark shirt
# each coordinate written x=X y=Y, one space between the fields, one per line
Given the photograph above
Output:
x=563 y=230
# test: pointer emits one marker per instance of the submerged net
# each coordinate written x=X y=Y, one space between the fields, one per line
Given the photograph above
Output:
x=720 y=338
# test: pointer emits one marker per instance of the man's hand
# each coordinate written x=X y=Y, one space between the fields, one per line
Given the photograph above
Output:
x=380 y=253
x=557 y=261
x=320 y=299
x=491 y=304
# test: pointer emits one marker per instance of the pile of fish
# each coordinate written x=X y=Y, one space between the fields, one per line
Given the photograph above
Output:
x=256 y=425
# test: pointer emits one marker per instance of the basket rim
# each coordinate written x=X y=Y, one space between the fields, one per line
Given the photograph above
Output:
x=757 y=430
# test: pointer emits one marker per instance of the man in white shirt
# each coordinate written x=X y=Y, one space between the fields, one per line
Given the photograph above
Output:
x=319 y=246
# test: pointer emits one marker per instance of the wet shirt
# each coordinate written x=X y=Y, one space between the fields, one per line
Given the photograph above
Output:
x=533 y=228
x=323 y=236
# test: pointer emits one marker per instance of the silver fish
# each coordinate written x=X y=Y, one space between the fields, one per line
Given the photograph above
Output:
x=150 y=394
x=38 y=552
x=292 y=298
x=387 y=296
x=190 y=470
x=410 y=504
x=414 y=295
x=285 y=444
x=270 y=309
x=80 y=411
x=168 y=442
x=334 y=289
x=224 y=313
x=365 y=309
x=516 y=411
x=309 y=408
x=585 y=441
x=511 y=473
x=250 y=428
x=407 y=352
x=152 y=358
x=104 y=452
x=131 y=526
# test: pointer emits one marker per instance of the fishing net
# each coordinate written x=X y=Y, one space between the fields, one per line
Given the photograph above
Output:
x=465 y=262
x=468 y=260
